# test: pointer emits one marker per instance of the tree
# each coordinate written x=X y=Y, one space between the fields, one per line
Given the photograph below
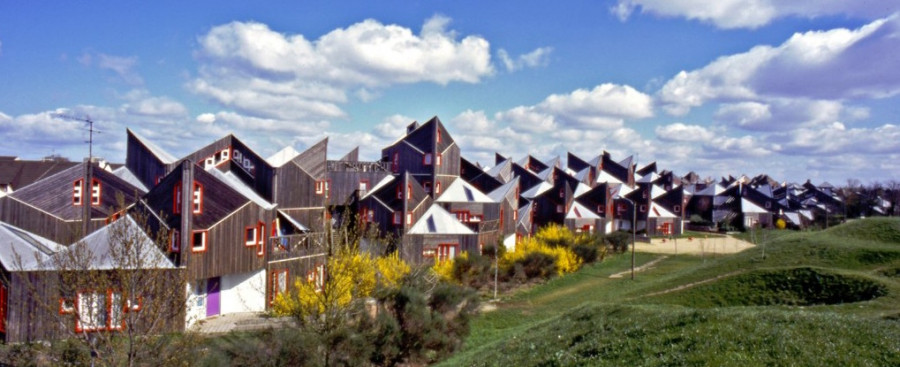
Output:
x=112 y=296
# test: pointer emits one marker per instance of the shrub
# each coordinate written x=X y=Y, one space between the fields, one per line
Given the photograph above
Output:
x=587 y=253
x=538 y=264
x=618 y=241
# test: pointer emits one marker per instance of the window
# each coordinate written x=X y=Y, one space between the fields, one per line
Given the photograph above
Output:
x=317 y=277
x=174 y=241
x=427 y=186
x=409 y=218
x=560 y=208
x=97 y=311
x=198 y=198
x=515 y=215
x=95 y=192
x=198 y=241
x=437 y=160
x=426 y=159
x=600 y=209
x=408 y=192
x=398 y=217
x=261 y=240
x=210 y=162
x=446 y=251
x=279 y=282
x=77 y=191
x=364 y=185
x=643 y=208
x=677 y=209
x=644 y=194
x=399 y=192
x=395 y=163
x=768 y=205
x=562 y=193
x=320 y=187
x=176 y=199
x=437 y=187
x=250 y=236
x=438 y=139
x=462 y=216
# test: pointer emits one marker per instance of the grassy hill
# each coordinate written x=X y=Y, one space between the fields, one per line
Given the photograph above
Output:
x=817 y=298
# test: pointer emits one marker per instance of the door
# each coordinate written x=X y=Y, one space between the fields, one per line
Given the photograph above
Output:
x=212 y=296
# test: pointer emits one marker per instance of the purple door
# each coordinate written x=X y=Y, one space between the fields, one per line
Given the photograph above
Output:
x=212 y=296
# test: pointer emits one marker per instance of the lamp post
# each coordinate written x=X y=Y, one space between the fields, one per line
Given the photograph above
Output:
x=633 y=231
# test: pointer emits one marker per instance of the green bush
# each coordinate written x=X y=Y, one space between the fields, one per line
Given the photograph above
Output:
x=473 y=270
x=618 y=241
x=587 y=253
x=537 y=265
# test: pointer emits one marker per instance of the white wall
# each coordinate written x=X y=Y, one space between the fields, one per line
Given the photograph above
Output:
x=244 y=292
x=195 y=309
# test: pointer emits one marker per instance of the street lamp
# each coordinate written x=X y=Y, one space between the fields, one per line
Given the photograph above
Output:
x=633 y=231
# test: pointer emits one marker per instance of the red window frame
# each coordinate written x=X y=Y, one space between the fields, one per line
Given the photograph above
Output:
x=108 y=298
x=176 y=199
x=363 y=185
x=78 y=192
x=174 y=241
x=463 y=215
x=96 y=192
x=317 y=277
x=261 y=240
x=4 y=294
x=279 y=277
x=409 y=217
x=251 y=237
x=197 y=198
x=444 y=251
x=437 y=159
x=437 y=187
x=501 y=219
x=204 y=240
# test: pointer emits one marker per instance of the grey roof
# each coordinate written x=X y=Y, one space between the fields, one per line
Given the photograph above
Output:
x=537 y=190
x=283 y=156
x=23 y=250
x=499 y=193
x=461 y=191
x=160 y=153
x=99 y=246
x=438 y=221
x=235 y=183
x=578 y=211
x=126 y=175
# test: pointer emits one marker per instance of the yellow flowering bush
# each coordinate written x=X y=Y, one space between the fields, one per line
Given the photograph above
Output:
x=391 y=270
x=566 y=260
x=444 y=269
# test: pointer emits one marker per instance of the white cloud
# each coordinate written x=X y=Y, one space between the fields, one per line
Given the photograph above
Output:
x=680 y=132
x=813 y=65
x=754 y=13
x=603 y=107
x=122 y=66
x=538 y=57
x=261 y=72
x=393 y=127
x=206 y=118
x=156 y=106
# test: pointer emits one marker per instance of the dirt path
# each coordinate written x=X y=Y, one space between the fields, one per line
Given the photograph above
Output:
x=646 y=266
x=694 y=284
x=694 y=246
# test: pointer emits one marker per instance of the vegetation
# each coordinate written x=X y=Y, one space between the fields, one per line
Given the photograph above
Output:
x=816 y=298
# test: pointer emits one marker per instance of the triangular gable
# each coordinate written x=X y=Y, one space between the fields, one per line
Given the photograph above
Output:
x=499 y=193
x=578 y=211
x=537 y=190
x=98 y=245
x=436 y=220
x=460 y=191
x=657 y=211
x=749 y=207
x=283 y=156
x=581 y=189
x=23 y=250
x=656 y=191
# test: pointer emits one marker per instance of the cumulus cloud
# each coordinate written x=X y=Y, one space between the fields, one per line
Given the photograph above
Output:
x=751 y=14
x=681 y=132
x=258 y=71
x=206 y=118
x=813 y=65
x=603 y=106
x=538 y=57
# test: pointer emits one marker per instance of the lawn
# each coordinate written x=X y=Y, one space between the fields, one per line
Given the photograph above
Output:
x=828 y=297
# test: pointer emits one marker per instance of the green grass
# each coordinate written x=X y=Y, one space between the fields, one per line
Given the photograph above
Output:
x=783 y=308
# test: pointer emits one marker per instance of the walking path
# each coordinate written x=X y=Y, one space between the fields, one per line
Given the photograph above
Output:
x=694 y=246
x=646 y=266
x=244 y=321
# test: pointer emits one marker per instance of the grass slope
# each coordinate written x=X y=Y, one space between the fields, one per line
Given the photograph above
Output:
x=729 y=310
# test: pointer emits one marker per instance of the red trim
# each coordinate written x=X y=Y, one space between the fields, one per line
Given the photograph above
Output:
x=437 y=187
x=205 y=241
x=197 y=198
x=247 y=235
x=261 y=240
x=443 y=251
x=95 y=199
x=437 y=159
x=176 y=199
x=77 y=192
x=364 y=182
x=276 y=276
x=409 y=217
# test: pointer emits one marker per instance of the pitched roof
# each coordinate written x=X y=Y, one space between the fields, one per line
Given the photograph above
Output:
x=99 y=246
x=23 y=250
x=238 y=185
x=18 y=174
x=499 y=193
x=748 y=207
x=160 y=153
x=537 y=190
x=657 y=211
x=460 y=191
x=126 y=175
x=578 y=211
x=283 y=156
x=438 y=221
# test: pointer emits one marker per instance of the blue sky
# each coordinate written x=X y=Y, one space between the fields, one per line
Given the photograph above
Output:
x=795 y=89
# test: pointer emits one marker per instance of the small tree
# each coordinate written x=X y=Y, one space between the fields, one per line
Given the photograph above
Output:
x=113 y=296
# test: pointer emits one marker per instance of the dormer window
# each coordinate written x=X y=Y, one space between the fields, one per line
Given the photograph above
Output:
x=77 y=192
x=426 y=159
x=95 y=192
x=198 y=198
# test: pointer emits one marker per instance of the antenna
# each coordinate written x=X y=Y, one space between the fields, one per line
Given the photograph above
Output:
x=86 y=119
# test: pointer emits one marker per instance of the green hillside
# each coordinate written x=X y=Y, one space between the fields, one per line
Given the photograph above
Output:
x=817 y=298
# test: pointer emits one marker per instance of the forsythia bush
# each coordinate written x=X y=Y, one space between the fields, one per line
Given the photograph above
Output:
x=566 y=260
x=349 y=276
x=555 y=236
x=391 y=269
x=444 y=269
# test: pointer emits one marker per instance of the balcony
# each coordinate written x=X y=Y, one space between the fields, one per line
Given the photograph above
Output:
x=348 y=166
x=296 y=246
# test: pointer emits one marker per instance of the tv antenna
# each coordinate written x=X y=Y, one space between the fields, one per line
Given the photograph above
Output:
x=87 y=120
